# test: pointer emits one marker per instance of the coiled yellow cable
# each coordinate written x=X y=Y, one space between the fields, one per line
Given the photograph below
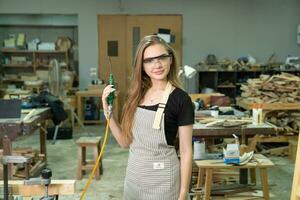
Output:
x=97 y=162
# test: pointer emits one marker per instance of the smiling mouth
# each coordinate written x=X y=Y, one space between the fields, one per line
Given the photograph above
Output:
x=159 y=72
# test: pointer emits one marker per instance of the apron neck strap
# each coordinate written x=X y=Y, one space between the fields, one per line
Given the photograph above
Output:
x=161 y=107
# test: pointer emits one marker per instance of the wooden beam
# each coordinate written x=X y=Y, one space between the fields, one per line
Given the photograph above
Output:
x=295 y=194
x=278 y=151
x=57 y=187
x=274 y=139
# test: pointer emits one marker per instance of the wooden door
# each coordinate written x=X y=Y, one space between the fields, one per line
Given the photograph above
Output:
x=124 y=33
x=111 y=32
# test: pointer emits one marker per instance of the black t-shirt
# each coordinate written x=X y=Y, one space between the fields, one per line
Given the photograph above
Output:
x=179 y=111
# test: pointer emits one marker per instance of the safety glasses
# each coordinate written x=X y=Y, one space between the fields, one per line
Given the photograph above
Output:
x=161 y=58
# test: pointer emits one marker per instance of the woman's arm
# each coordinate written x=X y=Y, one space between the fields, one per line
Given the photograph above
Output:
x=185 y=146
x=114 y=125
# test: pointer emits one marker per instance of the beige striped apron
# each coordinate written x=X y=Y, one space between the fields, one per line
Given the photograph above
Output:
x=153 y=167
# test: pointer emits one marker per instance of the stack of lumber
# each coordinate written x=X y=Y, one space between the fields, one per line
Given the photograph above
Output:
x=287 y=122
x=283 y=88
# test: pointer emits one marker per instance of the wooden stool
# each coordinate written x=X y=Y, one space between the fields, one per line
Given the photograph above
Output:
x=83 y=164
x=206 y=168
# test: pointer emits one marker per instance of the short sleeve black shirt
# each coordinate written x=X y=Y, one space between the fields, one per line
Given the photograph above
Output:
x=179 y=111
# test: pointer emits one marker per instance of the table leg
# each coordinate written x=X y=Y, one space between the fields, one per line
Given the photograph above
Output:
x=79 y=163
x=43 y=136
x=264 y=183
x=79 y=108
x=72 y=118
x=208 y=182
x=253 y=176
x=7 y=150
x=200 y=178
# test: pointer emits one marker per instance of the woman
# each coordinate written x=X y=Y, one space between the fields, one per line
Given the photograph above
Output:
x=155 y=111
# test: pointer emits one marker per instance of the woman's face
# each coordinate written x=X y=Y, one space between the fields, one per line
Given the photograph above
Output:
x=157 y=62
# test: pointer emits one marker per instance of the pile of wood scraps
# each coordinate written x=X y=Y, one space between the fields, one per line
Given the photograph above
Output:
x=283 y=88
x=287 y=122
x=281 y=145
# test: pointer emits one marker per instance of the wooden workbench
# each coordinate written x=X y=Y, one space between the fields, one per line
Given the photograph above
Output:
x=244 y=131
x=10 y=129
x=206 y=168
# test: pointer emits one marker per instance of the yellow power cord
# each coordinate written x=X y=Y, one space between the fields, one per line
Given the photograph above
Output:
x=97 y=162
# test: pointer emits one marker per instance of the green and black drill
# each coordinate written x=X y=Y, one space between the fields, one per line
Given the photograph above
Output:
x=111 y=96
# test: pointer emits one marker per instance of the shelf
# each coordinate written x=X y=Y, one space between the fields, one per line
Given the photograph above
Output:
x=17 y=65
x=38 y=59
x=250 y=71
x=15 y=51
x=226 y=86
x=269 y=106
x=29 y=51
x=45 y=66
x=13 y=80
x=216 y=79
x=48 y=51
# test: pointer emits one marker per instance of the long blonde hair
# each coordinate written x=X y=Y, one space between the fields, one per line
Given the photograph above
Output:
x=140 y=81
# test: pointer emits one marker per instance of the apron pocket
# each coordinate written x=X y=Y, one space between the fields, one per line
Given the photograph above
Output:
x=156 y=175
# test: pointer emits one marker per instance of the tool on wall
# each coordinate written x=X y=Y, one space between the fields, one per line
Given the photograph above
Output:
x=110 y=101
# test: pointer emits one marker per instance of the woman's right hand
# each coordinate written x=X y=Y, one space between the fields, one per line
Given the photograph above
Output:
x=107 y=90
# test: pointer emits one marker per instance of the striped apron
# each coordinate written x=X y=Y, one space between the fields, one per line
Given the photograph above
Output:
x=153 y=170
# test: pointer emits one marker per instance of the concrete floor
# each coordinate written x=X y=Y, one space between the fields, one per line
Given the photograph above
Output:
x=62 y=159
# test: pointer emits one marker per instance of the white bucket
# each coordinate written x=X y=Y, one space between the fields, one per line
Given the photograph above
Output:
x=199 y=150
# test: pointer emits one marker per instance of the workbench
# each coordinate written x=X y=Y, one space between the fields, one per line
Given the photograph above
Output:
x=243 y=131
x=10 y=129
x=206 y=168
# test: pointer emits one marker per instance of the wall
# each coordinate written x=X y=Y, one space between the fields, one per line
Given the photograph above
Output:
x=227 y=29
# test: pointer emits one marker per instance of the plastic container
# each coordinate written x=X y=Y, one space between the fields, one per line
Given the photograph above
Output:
x=199 y=150
x=257 y=114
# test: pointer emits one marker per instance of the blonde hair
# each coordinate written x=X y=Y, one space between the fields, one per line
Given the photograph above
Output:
x=140 y=81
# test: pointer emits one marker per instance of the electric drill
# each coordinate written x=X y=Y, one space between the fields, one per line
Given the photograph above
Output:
x=111 y=96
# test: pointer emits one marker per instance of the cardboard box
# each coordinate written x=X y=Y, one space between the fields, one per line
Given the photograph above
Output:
x=32 y=46
x=232 y=154
x=49 y=46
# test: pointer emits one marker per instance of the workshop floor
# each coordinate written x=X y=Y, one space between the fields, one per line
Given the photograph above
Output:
x=62 y=159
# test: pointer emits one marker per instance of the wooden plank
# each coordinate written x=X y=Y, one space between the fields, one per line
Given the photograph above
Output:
x=215 y=164
x=274 y=139
x=270 y=106
x=296 y=180
x=293 y=150
x=27 y=198
x=278 y=151
x=57 y=187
